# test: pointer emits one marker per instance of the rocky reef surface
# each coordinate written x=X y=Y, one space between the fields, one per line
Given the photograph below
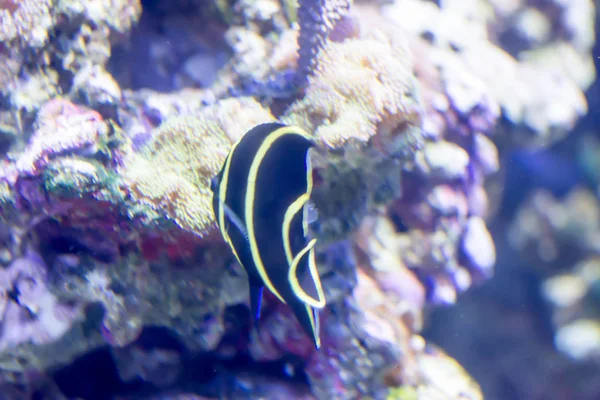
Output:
x=115 y=115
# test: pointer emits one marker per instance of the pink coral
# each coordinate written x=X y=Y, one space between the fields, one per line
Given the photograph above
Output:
x=62 y=128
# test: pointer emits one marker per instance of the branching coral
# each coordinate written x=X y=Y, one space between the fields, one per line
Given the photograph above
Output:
x=47 y=44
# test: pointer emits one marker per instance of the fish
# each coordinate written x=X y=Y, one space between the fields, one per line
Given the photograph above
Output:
x=261 y=202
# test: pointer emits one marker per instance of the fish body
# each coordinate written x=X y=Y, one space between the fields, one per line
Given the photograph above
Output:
x=261 y=203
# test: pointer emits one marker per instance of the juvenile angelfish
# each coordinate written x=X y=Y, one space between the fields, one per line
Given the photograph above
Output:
x=261 y=204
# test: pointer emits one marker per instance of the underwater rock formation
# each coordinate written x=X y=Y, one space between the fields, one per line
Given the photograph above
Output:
x=50 y=46
x=105 y=184
x=469 y=75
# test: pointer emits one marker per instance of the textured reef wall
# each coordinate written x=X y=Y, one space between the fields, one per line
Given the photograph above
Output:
x=115 y=115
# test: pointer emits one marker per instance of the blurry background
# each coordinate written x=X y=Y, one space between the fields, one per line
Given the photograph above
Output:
x=546 y=290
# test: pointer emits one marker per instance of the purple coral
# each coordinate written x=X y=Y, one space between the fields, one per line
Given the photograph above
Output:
x=30 y=312
x=317 y=19
x=62 y=128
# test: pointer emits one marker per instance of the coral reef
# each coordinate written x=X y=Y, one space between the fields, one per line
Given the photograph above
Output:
x=539 y=101
x=114 y=121
x=171 y=174
x=362 y=88
x=50 y=47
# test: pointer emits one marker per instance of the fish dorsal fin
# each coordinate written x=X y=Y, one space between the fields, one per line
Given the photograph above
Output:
x=304 y=277
x=237 y=221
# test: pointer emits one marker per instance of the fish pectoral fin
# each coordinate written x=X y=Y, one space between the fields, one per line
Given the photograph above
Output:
x=304 y=277
x=311 y=214
x=256 y=294
x=214 y=184
x=235 y=220
x=308 y=317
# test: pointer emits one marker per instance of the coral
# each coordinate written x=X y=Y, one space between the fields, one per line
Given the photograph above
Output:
x=48 y=46
x=81 y=129
x=351 y=185
x=25 y=22
x=361 y=104
x=535 y=95
x=362 y=89
x=423 y=264
x=317 y=20
x=370 y=342
x=171 y=174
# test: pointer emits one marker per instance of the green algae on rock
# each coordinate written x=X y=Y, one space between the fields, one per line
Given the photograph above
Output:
x=73 y=177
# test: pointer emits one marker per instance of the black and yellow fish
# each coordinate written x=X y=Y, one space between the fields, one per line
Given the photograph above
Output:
x=261 y=203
